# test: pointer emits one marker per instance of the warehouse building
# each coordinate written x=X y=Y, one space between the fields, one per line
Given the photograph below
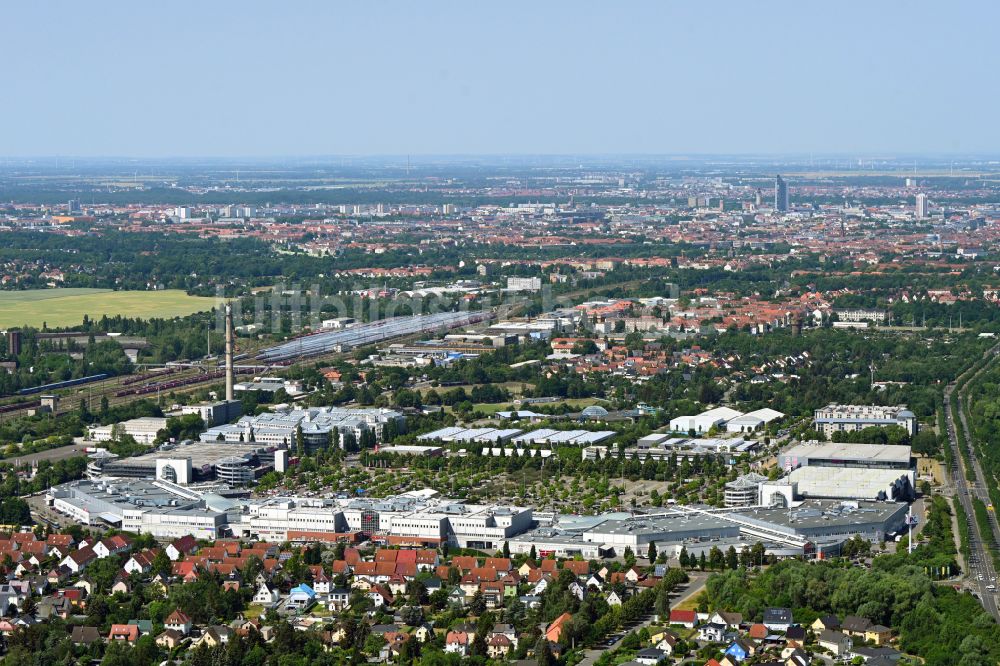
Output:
x=753 y=421
x=843 y=455
x=702 y=423
x=166 y=510
x=564 y=437
x=470 y=435
x=725 y=418
x=852 y=483
x=823 y=528
x=850 y=471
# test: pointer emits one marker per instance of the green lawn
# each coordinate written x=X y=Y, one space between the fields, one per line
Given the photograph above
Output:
x=66 y=307
x=573 y=403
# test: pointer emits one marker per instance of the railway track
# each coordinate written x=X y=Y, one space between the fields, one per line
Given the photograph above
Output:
x=124 y=389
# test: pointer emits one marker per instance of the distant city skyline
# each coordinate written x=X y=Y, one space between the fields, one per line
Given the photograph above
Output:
x=241 y=79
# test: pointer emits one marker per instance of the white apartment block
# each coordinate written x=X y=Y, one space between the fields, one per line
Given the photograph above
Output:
x=849 y=418
x=524 y=283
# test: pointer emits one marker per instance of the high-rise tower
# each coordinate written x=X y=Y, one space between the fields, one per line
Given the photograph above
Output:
x=780 y=194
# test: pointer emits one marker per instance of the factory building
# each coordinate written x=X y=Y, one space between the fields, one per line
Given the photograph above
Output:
x=850 y=418
x=321 y=426
x=153 y=507
x=842 y=455
x=417 y=517
x=541 y=436
x=167 y=510
x=810 y=528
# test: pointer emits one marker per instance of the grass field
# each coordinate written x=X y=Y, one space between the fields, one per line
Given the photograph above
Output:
x=573 y=403
x=66 y=307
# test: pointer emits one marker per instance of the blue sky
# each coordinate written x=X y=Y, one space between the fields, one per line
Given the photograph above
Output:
x=422 y=77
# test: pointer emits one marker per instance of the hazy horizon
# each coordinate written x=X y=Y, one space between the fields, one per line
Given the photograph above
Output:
x=252 y=80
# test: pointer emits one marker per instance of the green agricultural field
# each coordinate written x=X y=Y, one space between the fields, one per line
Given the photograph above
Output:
x=66 y=307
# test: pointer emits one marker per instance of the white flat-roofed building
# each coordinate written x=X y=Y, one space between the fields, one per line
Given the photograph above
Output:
x=850 y=471
x=143 y=429
x=271 y=520
x=413 y=450
x=853 y=483
x=215 y=413
x=653 y=439
x=419 y=517
x=862 y=314
x=567 y=437
x=524 y=283
x=835 y=454
x=141 y=506
x=337 y=323
x=689 y=448
x=172 y=523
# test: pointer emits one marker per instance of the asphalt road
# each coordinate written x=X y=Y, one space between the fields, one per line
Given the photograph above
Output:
x=59 y=453
x=694 y=586
x=981 y=571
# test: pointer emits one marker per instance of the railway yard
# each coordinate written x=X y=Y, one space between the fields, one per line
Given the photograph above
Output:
x=185 y=376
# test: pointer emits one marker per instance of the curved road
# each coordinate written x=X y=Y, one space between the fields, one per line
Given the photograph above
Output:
x=695 y=584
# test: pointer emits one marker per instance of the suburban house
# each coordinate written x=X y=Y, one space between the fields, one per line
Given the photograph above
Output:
x=78 y=560
x=266 y=595
x=554 y=630
x=169 y=639
x=179 y=622
x=185 y=545
x=837 y=642
x=128 y=633
x=300 y=597
x=457 y=642
x=777 y=619
x=684 y=618
x=650 y=656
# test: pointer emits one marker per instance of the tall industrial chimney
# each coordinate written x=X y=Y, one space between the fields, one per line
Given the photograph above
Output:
x=229 y=351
